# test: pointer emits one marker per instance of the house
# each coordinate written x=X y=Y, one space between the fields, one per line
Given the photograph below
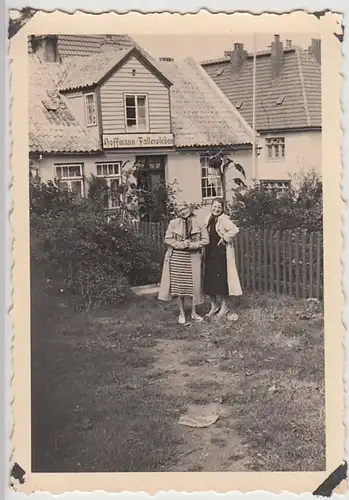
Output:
x=90 y=115
x=287 y=105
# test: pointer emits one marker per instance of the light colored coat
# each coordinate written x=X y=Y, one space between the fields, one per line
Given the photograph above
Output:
x=227 y=230
x=174 y=238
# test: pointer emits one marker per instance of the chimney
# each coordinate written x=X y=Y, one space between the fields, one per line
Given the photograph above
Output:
x=288 y=44
x=315 y=49
x=237 y=57
x=277 y=57
x=46 y=47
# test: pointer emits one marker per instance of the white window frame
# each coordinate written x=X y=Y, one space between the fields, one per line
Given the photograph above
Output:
x=137 y=128
x=275 y=148
x=88 y=124
x=211 y=174
x=70 y=179
x=110 y=177
x=278 y=186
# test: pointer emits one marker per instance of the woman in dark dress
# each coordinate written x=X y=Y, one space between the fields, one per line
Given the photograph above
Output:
x=221 y=278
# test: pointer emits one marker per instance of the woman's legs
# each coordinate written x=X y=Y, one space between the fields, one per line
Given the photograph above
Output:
x=195 y=316
x=224 y=307
x=181 y=318
x=214 y=306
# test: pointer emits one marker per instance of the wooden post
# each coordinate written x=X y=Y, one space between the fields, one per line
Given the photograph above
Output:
x=253 y=251
x=296 y=247
x=311 y=265
x=259 y=253
x=277 y=252
x=304 y=266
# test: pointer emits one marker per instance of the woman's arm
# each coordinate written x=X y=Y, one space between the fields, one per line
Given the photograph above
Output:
x=171 y=241
x=230 y=230
x=204 y=240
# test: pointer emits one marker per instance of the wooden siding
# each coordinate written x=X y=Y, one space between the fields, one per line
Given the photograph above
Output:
x=143 y=82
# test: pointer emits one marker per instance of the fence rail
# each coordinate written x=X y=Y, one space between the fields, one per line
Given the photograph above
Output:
x=283 y=262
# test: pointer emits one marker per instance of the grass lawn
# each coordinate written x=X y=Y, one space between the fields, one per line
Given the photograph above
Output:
x=108 y=389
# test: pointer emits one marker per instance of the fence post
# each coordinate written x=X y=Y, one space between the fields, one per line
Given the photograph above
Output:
x=265 y=260
x=296 y=256
x=311 y=267
x=260 y=268
x=290 y=267
x=277 y=254
x=253 y=249
x=304 y=266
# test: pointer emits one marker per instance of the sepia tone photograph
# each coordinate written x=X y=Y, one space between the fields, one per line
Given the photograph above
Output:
x=145 y=185
x=176 y=242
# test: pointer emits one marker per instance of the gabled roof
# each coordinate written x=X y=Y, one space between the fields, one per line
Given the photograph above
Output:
x=84 y=72
x=52 y=125
x=201 y=114
x=294 y=101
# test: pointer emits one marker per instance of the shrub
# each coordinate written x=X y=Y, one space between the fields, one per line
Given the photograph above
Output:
x=299 y=208
x=77 y=248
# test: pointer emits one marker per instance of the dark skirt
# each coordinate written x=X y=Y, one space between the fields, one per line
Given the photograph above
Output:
x=216 y=276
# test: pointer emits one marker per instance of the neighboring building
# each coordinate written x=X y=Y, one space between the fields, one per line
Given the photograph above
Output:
x=89 y=115
x=288 y=104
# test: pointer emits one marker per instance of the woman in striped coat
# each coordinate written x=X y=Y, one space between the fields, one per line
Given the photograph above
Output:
x=182 y=269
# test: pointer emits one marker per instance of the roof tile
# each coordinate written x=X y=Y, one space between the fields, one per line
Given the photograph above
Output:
x=57 y=130
x=201 y=116
x=299 y=101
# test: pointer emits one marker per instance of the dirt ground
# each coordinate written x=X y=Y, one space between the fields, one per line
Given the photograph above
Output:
x=109 y=389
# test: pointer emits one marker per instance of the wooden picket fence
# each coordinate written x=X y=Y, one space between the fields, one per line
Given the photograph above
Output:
x=282 y=262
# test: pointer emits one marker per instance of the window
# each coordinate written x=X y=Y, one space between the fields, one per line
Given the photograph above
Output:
x=71 y=177
x=136 y=112
x=211 y=185
x=90 y=110
x=279 y=187
x=112 y=173
x=275 y=148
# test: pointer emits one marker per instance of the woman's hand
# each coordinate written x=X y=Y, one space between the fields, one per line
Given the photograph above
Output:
x=186 y=243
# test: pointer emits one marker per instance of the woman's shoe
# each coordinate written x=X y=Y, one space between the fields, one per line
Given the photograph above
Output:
x=233 y=317
x=181 y=319
x=196 y=317
x=212 y=312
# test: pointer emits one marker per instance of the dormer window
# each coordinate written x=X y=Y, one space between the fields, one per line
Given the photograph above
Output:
x=136 y=112
x=90 y=110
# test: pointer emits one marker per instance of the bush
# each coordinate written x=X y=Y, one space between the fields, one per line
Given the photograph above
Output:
x=299 y=208
x=81 y=250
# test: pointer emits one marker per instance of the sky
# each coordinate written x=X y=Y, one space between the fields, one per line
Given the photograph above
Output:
x=202 y=47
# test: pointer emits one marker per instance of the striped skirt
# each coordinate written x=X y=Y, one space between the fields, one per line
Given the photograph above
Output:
x=181 y=273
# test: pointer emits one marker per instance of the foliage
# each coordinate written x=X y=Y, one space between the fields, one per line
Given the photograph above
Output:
x=221 y=162
x=98 y=192
x=80 y=249
x=299 y=208
x=49 y=197
x=134 y=201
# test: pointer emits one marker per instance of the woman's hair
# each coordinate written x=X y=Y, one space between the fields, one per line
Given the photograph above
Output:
x=219 y=200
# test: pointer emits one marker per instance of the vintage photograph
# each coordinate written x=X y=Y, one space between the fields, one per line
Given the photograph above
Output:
x=176 y=253
x=180 y=267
